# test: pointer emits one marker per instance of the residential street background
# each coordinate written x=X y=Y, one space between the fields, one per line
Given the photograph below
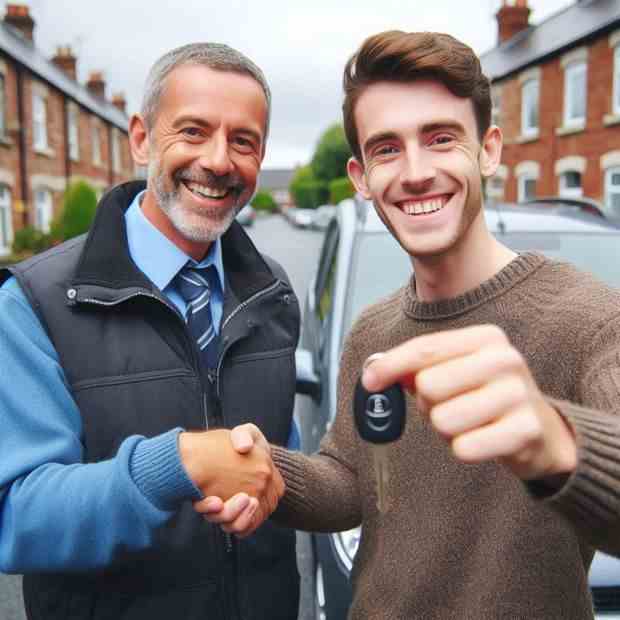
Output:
x=297 y=251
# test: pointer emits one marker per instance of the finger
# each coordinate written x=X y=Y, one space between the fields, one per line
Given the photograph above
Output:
x=456 y=376
x=243 y=525
x=231 y=510
x=242 y=438
x=209 y=504
x=399 y=363
x=478 y=407
x=515 y=436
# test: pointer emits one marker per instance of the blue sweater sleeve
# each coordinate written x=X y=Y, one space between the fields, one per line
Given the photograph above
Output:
x=57 y=513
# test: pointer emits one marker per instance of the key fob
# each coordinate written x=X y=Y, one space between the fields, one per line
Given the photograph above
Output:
x=379 y=416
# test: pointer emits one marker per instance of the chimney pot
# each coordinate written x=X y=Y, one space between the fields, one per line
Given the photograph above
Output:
x=512 y=18
x=18 y=16
x=66 y=61
x=118 y=100
x=96 y=84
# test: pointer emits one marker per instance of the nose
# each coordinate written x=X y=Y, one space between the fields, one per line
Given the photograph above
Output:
x=418 y=171
x=215 y=156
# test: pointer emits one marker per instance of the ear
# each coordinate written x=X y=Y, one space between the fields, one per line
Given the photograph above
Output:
x=139 y=140
x=491 y=151
x=357 y=175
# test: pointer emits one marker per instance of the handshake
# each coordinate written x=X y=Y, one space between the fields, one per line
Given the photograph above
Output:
x=235 y=473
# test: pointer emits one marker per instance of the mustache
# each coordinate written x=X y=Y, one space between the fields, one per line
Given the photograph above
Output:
x=206 y=177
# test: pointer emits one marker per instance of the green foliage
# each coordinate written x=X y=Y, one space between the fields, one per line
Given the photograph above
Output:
x=264 y=201
x=30 y=240
x=78 y=211
x=339 y=189
x=310 y=194
x=331 y=155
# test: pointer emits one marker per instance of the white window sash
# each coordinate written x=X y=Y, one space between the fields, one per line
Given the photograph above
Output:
x=575 y=82
x=39 y=118
x=529 y=107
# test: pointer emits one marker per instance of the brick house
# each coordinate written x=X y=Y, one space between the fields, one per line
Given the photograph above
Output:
x=53 y=131
x=556 y=96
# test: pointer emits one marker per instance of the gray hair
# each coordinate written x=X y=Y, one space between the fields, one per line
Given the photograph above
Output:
x=217 y=56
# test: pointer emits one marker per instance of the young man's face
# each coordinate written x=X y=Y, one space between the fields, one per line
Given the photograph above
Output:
x=422 y=163
x=205 y=149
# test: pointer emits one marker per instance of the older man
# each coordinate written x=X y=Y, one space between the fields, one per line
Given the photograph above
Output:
x=164 y=320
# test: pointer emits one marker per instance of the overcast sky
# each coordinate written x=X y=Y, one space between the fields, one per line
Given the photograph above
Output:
x=300 y=45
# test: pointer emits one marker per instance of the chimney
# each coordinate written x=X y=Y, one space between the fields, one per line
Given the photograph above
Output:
x=66 y=61
x=18 y=16
x=512 y=18
x=118 y=100
x=96 y=85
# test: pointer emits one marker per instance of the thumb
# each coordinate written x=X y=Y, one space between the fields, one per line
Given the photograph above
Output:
x=242 y=439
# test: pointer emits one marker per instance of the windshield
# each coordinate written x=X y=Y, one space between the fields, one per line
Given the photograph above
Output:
x=380 y=265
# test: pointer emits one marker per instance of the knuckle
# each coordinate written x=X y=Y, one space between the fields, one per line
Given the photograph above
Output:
x=494 y=333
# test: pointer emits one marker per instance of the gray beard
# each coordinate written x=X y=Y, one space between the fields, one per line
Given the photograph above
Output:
x=201 y=226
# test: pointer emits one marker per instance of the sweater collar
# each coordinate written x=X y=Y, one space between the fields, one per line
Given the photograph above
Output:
x=514 y=272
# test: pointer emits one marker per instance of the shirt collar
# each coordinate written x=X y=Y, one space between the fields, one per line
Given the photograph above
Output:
x=156 y=256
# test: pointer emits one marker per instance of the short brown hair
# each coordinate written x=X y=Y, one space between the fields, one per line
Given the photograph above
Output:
x=396 y=56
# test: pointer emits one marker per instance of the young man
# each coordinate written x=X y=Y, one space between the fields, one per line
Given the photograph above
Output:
x=507 y=475
x=164 y=318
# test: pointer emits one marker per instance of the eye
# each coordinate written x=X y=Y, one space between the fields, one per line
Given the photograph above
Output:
x=441 y=140
x=244 y=144
x=192 y=132
x=384 y=149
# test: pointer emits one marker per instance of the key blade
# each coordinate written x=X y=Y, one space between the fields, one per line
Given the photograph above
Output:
x=382 y=474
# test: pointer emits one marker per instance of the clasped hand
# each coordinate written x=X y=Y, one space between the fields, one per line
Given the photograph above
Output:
x=238 y=471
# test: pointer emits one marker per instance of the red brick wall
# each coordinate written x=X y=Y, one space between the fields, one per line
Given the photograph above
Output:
x=591 y=143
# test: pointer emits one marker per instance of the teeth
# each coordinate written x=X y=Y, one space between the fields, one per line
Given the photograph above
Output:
x=423 y=206
x=207 y=192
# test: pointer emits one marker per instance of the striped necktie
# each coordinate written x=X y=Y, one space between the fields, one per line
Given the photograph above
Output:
x=193 y=285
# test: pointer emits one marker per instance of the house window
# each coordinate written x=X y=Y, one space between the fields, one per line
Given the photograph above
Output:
x=612 y=190
x=526 y=187
x=44 y=209
x=96 y=144
x=2 y=106
x=529 y=107
x=570 y=184
x=116 y=152
x=6 y=224
x=616 y=95
x=575 y=93
x=39 y=120
x=74 y=139
x=496 y=109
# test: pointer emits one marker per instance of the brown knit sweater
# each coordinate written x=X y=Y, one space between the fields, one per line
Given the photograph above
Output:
x=474 y=542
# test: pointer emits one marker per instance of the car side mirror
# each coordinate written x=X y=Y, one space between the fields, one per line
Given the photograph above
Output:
x=308 y=381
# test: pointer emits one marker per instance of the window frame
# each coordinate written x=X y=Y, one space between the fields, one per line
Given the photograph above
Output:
x=6 y=217
x=40 y=138
x=608 y=191
x=73 y=132
x=3 y=105
x=95 y=137
x=522 y=180
x=43 y=220
x=615 y=107
x=116 y=152
x=526 y=129
x=580 y=66
x=570 y=192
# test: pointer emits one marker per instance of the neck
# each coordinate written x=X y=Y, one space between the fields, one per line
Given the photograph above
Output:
x=465 y=267
x=154 y=214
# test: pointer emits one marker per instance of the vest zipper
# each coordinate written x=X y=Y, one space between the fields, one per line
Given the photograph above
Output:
x=98 y=302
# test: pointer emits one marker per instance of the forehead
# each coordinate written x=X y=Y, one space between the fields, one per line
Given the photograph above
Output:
x=406 y=107
x=235 y=99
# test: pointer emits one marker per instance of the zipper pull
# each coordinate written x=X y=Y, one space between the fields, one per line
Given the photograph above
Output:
x=229 y=543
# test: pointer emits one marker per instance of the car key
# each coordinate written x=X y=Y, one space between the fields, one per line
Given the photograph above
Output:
x=380 y=420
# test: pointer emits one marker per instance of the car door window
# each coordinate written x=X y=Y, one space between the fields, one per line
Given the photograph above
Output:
x=326 y=275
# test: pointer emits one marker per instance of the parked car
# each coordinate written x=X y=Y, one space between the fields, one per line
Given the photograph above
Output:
x=361 y=262
x=323 y=216
x=246 y=216
x=301 y=218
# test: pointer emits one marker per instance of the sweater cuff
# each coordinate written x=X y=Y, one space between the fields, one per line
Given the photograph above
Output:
x=291 y=467
x=590 y=495
x=156 y=469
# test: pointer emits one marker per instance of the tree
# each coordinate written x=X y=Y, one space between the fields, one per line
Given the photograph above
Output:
x=307 y=191
x=331 y=155
x=78 y=211
x=264 y=201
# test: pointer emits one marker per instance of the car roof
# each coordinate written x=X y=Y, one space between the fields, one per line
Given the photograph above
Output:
x=509 y=218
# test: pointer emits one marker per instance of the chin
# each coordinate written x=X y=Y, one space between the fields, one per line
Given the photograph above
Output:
x=200 y=228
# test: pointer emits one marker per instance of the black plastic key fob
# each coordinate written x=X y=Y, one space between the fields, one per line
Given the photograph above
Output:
x=379 y=416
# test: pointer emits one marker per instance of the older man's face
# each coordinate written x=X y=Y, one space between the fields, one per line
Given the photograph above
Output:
x=206 y=148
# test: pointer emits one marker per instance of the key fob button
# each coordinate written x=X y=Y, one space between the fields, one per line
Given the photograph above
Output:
x=379 y=416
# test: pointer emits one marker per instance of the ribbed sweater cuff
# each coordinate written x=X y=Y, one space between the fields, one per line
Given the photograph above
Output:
x=590 y=495
x=291 y=467
x=156 y=469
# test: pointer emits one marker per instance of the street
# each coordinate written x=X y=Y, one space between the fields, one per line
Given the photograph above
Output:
x=297 y=252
